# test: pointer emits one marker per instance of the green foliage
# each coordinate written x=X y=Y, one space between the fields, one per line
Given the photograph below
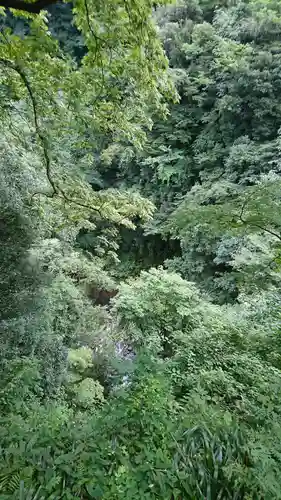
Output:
x=139 y=449
x=83 y=390
x=154 y=307
x=219 y=144
x=161 y=392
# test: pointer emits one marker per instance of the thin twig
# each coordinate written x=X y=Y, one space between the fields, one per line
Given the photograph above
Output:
x=78 y=203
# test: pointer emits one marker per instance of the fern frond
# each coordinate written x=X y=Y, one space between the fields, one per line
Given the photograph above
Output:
x=10 y=482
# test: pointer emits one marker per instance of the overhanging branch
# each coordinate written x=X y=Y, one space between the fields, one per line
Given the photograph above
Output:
x=42 y=138
x=37 y=128
x=255 y=224
x=56 y=190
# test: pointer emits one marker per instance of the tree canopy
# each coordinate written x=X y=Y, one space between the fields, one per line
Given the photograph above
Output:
x=140 y=249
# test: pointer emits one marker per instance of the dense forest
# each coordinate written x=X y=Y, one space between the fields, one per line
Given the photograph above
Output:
x=140 y=228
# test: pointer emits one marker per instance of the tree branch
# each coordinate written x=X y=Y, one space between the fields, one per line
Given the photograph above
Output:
x=43 y=141
x=57 y=190
x=255 y=224
x=33 y=8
